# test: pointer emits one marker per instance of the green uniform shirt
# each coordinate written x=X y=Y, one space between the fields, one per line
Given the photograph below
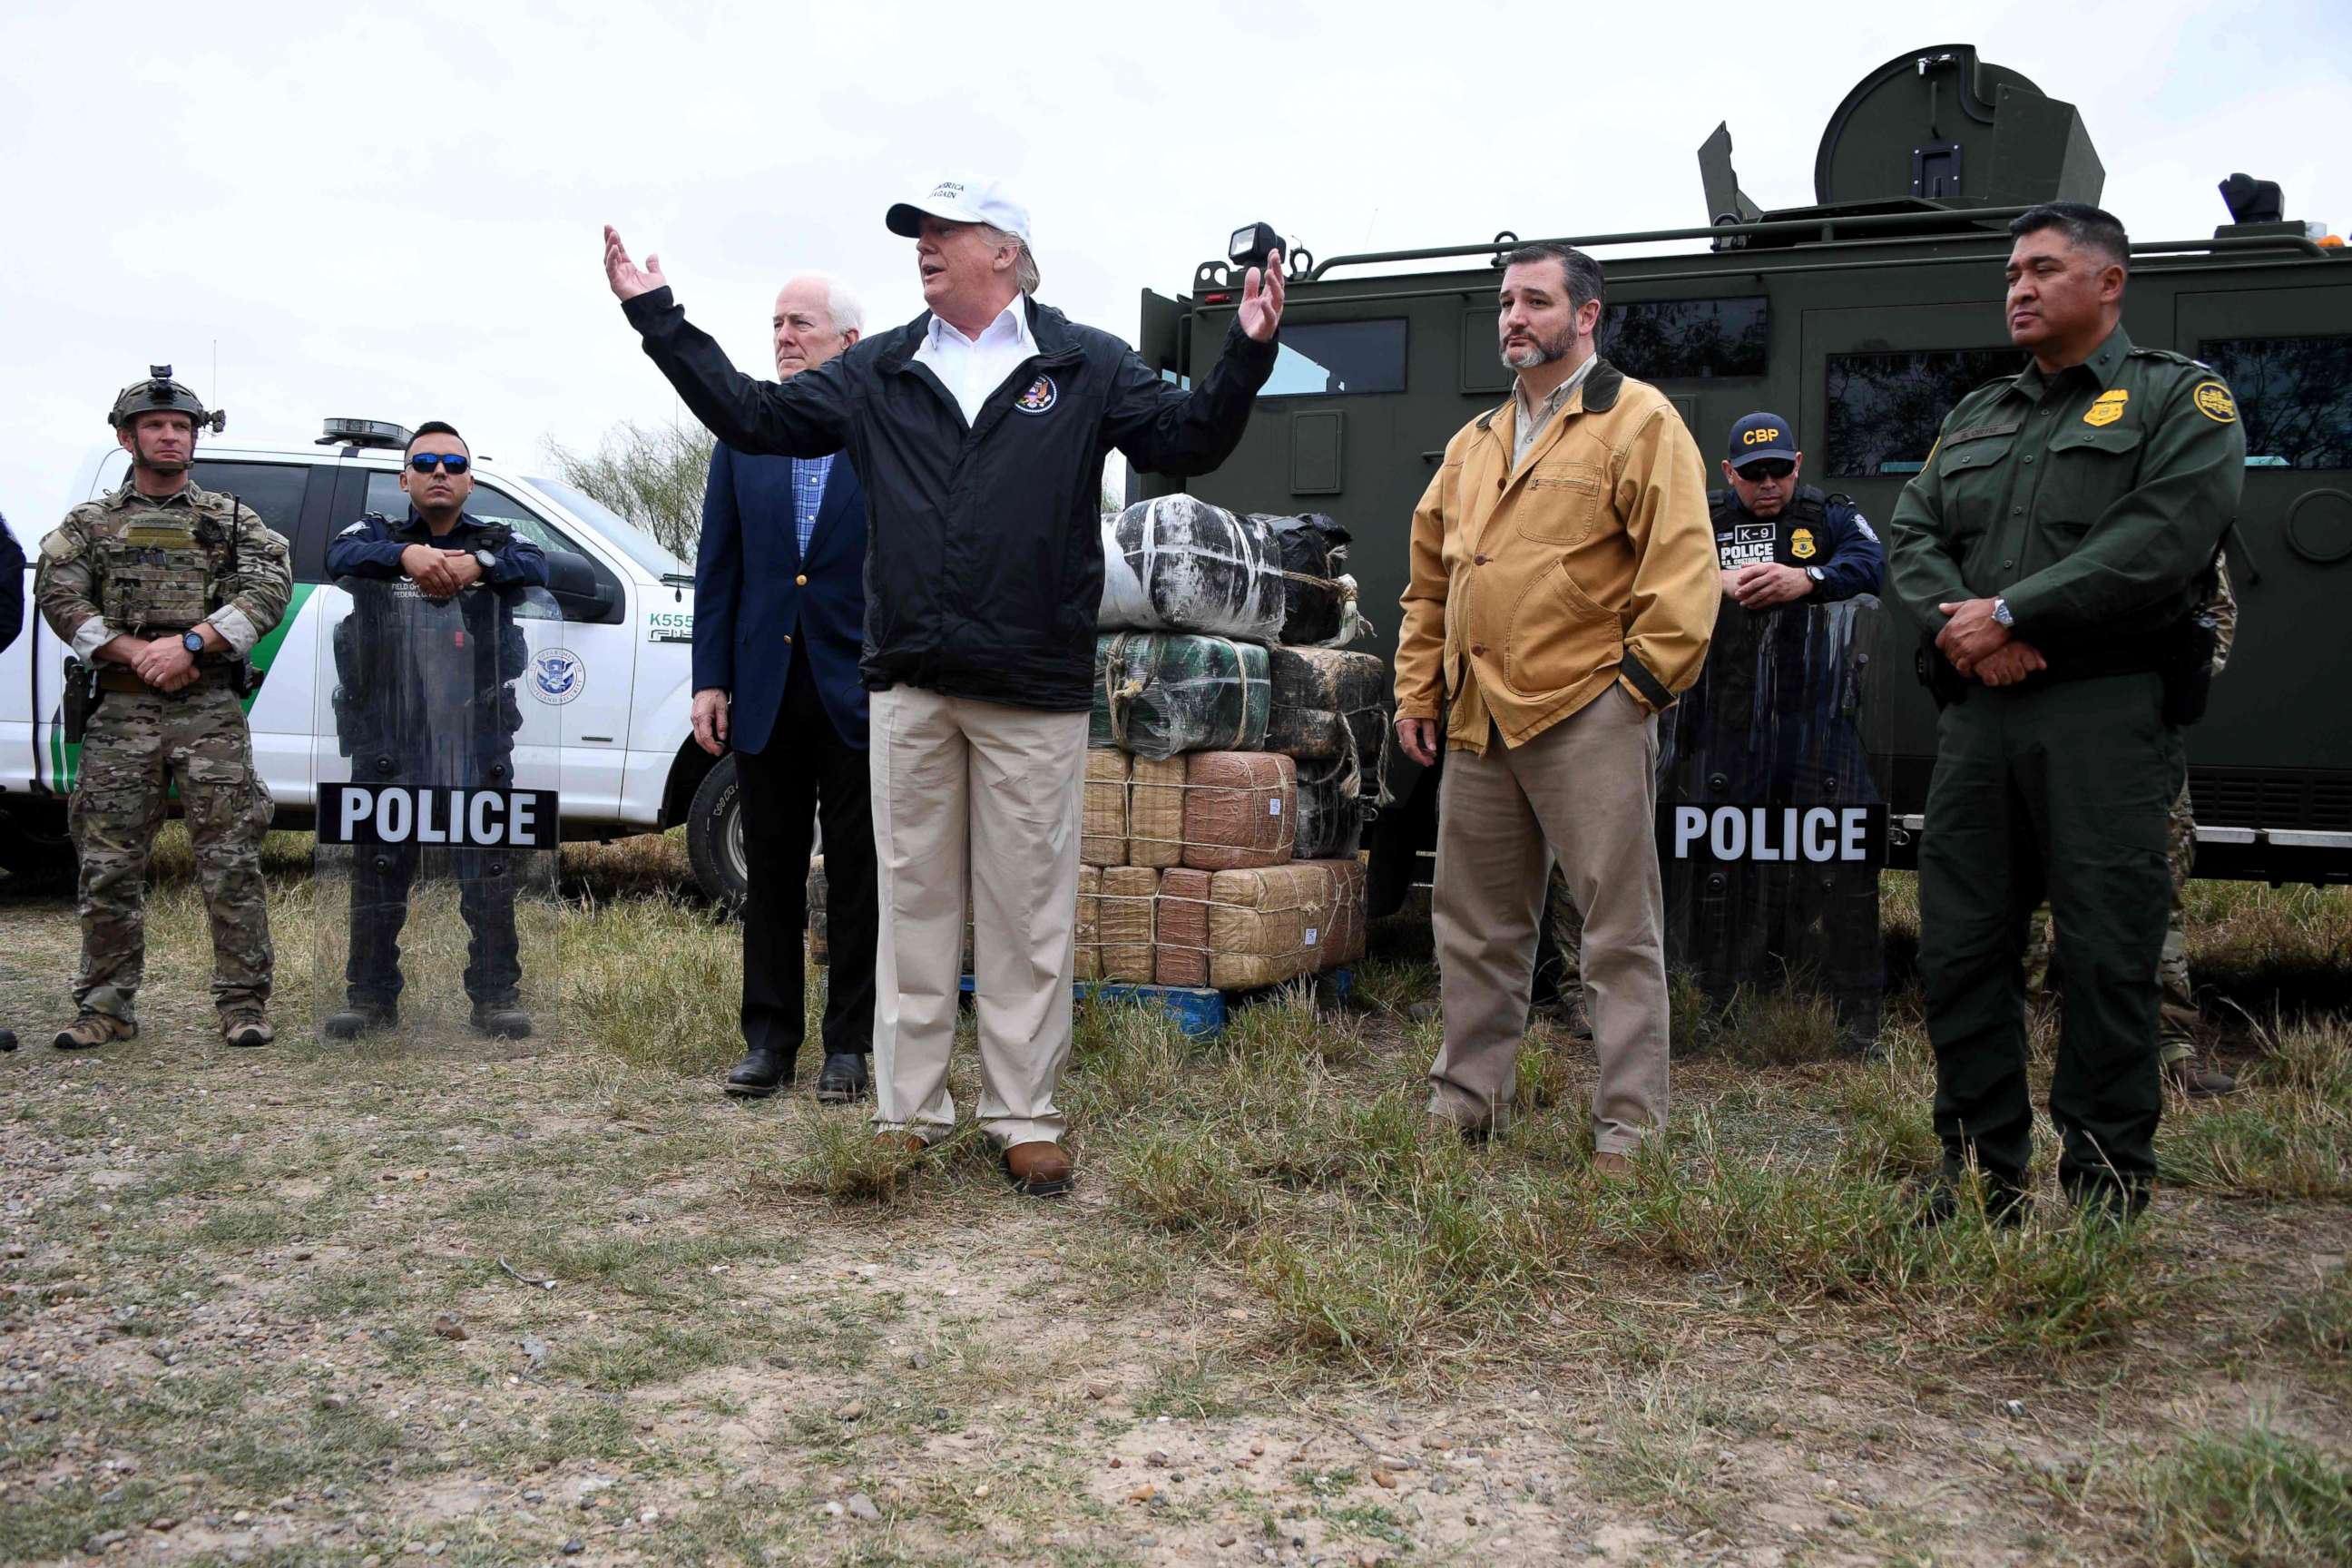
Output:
x=2092 y=500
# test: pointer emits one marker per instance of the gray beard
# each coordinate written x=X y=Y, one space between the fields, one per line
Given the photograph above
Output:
x=1543 y=353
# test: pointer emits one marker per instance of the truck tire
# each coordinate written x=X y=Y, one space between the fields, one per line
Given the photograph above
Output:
x=36 y=850
x=714 y=837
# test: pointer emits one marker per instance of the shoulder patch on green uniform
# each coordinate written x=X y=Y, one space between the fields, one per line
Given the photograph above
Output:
x=59 y=545
x=2213 y=400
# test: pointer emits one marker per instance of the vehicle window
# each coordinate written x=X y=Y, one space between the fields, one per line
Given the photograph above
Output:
x=1884 y=409
x=489 y=504
x=628 y=537
x=1324 y=359
x=1664 y=340
x=2295 y=395
x=273 y=489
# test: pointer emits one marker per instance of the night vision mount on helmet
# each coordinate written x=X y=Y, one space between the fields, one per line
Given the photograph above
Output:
x=159 y=393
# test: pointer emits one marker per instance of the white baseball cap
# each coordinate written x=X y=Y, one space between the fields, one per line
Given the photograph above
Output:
x=961 y=201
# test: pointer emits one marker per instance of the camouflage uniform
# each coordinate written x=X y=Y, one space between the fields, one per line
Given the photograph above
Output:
x=135 y=564
x=2177 y=1016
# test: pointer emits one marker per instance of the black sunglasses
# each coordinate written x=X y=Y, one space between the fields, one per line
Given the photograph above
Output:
x=1763 y=469
x=426 y=462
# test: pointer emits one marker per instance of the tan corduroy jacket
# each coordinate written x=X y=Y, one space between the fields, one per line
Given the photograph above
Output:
x=1533 y=589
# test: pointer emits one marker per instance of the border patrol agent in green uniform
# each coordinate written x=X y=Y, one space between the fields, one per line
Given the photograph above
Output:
x=2059 y=541
x=162 y=589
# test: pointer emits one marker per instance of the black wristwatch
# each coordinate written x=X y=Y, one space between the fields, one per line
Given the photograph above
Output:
x=192 y=640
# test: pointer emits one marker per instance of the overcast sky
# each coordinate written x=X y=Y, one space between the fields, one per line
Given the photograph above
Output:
x=394 y=211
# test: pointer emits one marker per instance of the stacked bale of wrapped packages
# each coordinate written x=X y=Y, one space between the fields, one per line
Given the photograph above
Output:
x=1212 y=779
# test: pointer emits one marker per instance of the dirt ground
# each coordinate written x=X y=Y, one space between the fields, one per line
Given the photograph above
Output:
x=466 y=1303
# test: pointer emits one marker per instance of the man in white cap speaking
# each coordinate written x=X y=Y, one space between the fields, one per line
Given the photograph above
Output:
x=979 y=429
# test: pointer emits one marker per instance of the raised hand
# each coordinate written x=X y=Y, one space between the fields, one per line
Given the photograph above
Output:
x=1261 y=293
x=629 y=279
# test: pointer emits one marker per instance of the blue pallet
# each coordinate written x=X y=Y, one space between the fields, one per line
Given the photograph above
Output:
x=1197 y=1011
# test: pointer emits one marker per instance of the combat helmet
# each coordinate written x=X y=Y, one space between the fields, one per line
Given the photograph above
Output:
x=160 y=394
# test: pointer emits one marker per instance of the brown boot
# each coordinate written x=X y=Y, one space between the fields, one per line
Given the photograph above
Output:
x=247 y=1028
x=1039 y=1169
x=1613 y=1167
x=2193 y=1077
x=899 y=1142
x=94 y=1029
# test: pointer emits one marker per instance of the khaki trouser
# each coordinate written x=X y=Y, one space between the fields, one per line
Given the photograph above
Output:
x=960 y=783
x=1583 y=791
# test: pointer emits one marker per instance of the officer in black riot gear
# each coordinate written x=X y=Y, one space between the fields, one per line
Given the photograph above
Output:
x=1779 y=541
x=423 y=707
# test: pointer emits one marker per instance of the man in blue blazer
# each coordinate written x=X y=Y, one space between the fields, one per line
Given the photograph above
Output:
x=779 y=620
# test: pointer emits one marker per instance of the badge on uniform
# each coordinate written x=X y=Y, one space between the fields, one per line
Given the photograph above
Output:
x=2108 y=408
x=1801 y=544
x=2213 y=400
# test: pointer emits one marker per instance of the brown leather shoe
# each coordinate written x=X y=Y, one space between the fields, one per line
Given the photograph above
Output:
x=2193 y=1077
x=1613 y=1167
x=246 y=1029
x=1040 y=1169
x=899 y=1143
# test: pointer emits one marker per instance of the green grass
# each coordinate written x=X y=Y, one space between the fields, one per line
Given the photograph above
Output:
x=2256 y=1497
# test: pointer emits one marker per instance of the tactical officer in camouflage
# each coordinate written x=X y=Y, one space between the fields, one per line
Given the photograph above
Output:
x=2058 y=541
x=162 y=589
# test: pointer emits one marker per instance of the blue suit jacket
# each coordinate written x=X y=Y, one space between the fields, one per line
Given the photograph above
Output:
x=749 y=598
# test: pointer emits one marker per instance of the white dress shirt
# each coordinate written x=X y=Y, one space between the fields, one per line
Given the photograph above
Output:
x=971 y=368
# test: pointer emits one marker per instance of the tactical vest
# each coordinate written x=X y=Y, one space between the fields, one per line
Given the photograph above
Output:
x=160 y=568
x=1808 y=512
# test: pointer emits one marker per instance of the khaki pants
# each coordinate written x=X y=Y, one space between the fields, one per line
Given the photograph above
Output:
x=1584 y=793
x=960 y=783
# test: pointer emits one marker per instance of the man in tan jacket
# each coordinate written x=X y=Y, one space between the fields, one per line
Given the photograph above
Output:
x=1563 y=586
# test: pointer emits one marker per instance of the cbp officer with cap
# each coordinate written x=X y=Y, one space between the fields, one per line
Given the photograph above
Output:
x=162 y=589
x=445 y=551
x=2057 y=545
x=1780 y=540
x=979 y=430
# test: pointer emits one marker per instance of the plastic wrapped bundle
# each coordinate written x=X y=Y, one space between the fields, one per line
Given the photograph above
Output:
x=1177 y=563
x=1124 y=923
x=1089 y=939
x=1318 y=598
x=1103 y=813
x=1265 y=925
x=1309 y=544
x=1341 y=940
x=1240 y=809
x=1181 y=956
x=1155 y=811
x=817 y=951
x=1330 y=814
x=1158 y=694
x=1324 y=700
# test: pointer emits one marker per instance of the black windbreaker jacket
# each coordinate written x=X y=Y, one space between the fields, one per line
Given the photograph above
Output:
x=984 y=566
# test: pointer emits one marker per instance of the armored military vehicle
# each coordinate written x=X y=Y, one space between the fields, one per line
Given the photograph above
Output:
x=1864 y=317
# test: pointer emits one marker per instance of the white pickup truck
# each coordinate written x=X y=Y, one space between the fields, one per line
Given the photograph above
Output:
x=629 y=761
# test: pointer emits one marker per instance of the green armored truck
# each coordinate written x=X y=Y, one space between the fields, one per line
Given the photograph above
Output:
x=1864 y=316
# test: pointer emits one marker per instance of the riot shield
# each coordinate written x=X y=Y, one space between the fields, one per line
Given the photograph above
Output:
x=1772 y=810
x=438 y=761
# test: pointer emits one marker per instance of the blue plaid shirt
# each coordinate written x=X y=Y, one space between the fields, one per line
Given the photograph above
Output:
x=808 y=494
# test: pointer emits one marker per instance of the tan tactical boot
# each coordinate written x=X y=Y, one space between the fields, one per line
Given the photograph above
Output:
x=94 y=1029
x=2193 y=1077
x=247 y=1028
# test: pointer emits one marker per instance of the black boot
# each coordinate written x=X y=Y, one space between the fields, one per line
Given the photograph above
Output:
x=762 y=1072
x=845 y=1078
x=501 y=1021
x=359 y=1018
x=1942 y=1198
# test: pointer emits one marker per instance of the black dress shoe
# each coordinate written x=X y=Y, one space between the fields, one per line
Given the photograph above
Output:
x=842 y=1080
x=351 y=1023
x=759 y=1074
x=7 y=1039
x=507 y=1022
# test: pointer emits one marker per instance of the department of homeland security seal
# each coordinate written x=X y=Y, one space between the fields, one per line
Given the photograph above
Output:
x=1041 y=396
x=557 y=676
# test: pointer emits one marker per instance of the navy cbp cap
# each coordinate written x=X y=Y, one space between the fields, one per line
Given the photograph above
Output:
x=1762 y=435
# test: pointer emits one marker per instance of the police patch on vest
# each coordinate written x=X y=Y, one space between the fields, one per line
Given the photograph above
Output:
x=1041 y=396
x=2108 y=408
x=2213 y=400
x=557 y=676
x=1801 y=544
